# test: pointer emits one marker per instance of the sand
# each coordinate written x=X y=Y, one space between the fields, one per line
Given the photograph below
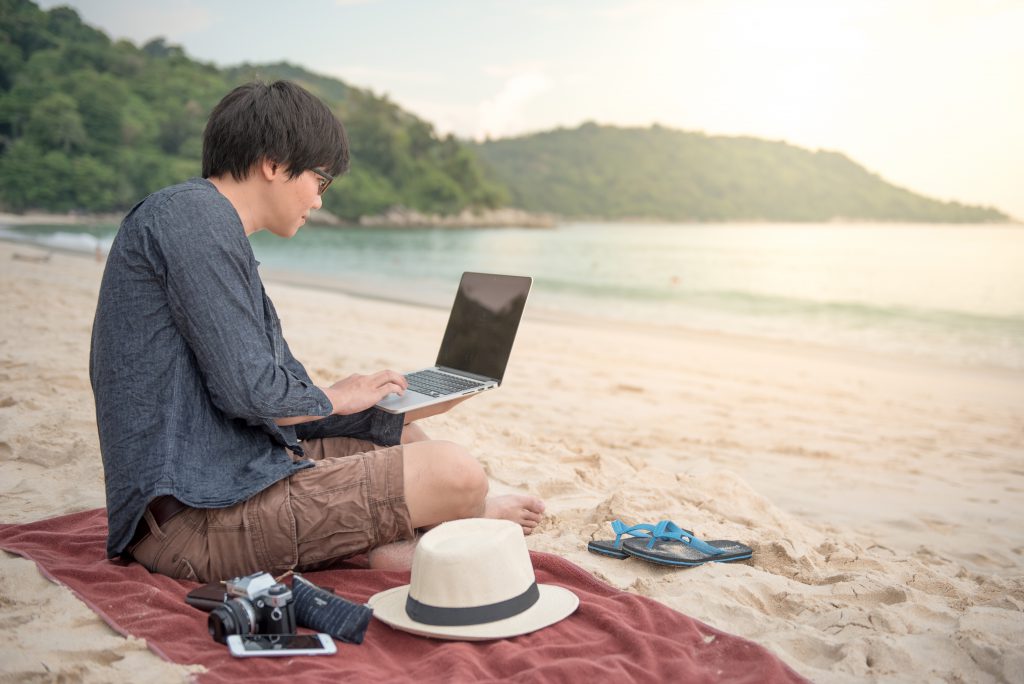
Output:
x=883 y=497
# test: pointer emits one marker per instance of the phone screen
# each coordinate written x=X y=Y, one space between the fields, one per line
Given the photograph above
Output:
x=281 y=642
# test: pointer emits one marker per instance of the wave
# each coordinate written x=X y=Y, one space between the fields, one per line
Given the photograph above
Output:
x=78 y=241
x=771 y=305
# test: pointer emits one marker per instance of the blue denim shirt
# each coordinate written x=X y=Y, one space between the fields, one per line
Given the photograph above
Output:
x=189 y=368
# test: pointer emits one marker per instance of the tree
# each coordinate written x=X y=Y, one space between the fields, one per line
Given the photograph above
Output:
x=361 y=191
x=10 y=63
x=100 y=98
x=56 y=124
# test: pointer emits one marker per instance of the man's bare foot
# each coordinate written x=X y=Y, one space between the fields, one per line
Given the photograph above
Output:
x=522 y=509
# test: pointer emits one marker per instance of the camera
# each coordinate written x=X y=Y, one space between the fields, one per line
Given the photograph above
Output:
x=254 y=604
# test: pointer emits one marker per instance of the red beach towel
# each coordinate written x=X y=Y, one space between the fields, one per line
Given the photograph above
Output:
x=613 y=636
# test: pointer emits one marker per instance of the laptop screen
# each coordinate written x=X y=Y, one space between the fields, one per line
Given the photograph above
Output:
x=483 y=323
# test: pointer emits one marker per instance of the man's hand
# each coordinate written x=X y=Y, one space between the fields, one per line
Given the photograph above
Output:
x=433 y=410
x=359 y=392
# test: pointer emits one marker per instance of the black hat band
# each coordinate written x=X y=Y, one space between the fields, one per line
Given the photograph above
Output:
x=426 y=614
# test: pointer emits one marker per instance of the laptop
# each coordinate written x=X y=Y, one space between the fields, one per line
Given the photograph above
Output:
x=476 y=345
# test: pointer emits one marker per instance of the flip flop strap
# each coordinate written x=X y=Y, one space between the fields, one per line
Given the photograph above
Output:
x=620 y=528
x=668 y=530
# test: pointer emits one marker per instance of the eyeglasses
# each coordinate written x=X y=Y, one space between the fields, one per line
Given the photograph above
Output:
x=325 y=180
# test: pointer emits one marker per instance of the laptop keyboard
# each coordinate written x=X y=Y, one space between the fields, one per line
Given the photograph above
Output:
x=435 y=384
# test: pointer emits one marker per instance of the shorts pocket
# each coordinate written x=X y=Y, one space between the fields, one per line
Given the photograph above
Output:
x=184 y=570
x=255 y=535
x=182 y=536
x=333 y=522
x=270 y=525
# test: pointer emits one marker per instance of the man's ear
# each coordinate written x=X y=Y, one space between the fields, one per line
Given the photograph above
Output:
x=270 y=169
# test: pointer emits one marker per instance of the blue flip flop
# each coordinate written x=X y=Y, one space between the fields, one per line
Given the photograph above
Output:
x=613 y=547
x=671 y=545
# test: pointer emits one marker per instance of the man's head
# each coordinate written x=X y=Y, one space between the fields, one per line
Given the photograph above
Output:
x=281 y=123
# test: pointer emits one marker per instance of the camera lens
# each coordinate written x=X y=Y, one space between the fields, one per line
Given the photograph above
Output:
x=231 y=617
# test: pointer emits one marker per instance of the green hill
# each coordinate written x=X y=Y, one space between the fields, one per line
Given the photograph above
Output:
x=90 y=124
x=618 y=173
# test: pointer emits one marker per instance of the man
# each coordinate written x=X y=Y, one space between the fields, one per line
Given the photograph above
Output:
x=221 y=456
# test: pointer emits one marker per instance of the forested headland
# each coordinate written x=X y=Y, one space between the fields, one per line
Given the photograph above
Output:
x=89 y=124
x=657 y=172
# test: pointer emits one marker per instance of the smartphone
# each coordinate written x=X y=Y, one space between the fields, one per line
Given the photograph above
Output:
x=280 y=645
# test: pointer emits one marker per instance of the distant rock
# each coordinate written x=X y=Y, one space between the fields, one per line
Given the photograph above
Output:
x=403 y=217
x=322 y=217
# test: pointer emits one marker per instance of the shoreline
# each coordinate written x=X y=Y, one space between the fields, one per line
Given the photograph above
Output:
x=400 y=218
x=874 y=358
x=396 y=217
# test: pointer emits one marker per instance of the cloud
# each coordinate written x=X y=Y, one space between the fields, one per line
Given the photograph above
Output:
x=502 y=114
x=634 y=9
x=511 y=70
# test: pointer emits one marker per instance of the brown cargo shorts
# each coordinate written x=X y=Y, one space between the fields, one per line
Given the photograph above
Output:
x=351 y=501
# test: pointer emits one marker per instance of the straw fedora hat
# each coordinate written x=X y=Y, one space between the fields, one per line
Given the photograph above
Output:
x=472 y=580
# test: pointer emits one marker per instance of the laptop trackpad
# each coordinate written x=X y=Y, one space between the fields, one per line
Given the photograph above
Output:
x=393 y=403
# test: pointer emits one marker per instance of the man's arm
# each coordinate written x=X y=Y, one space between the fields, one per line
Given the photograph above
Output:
x=408 y=417
x=354 y=394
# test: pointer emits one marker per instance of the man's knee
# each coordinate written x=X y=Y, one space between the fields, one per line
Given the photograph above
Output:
x=447 y=479
x=463 y=474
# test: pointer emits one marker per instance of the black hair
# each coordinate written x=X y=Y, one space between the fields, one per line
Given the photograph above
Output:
x=281 y=122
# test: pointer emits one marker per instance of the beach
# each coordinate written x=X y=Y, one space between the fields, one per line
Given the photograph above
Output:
x=882 y=495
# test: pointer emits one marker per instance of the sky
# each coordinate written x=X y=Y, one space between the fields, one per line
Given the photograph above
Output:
x=929 y=94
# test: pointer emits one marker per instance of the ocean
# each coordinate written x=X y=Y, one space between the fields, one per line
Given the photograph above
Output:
x=948 y=293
